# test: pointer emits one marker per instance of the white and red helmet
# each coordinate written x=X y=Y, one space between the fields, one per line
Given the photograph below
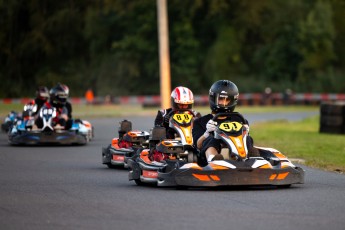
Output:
x=65 y=88
x=182 y=98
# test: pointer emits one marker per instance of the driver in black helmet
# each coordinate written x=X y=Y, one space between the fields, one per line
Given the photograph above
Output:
x=223 y=97
x=57 y=99
x=42 y=96
x=68 y=104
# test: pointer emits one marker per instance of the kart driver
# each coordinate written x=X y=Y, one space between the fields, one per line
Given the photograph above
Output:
x=58 y=98
x=33 y=107
x=68 y=104
x=223 y=97
x=42 y=96
x=182 y=99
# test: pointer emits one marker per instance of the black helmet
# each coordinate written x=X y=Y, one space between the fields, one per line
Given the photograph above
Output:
x=42 y=93
x=223 y=91
x=58 y=95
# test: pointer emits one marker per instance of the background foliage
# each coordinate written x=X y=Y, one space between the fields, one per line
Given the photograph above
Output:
x=112 y=46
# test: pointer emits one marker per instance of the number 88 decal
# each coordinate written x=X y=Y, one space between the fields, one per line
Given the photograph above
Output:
x=183 y=118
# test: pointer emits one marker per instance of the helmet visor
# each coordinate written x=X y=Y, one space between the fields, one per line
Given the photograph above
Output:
x=183 y=106
x=224 y=101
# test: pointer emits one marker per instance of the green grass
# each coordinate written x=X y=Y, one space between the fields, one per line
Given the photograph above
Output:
x=89 y=111
x=124 y=110
x=303 y=140
x=300 y=139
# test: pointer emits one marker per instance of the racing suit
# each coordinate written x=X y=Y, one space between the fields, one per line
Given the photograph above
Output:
x=199 y=129
x=61 y=112
x=69 y=109
x=39 y=102
x=162 y=119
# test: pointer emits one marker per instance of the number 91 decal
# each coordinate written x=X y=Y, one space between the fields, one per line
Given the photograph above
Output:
x=230 y=126
x=182 y=118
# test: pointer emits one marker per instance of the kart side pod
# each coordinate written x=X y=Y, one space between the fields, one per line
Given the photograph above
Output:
x=158 y=133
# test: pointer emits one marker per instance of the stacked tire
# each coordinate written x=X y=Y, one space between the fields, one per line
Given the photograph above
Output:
x=332 y=117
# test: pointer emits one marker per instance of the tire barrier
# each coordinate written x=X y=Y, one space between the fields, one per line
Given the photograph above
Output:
x=332 y=117
x=250 y=99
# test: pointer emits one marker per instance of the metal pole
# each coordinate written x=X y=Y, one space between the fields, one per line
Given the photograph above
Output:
x=164 y=59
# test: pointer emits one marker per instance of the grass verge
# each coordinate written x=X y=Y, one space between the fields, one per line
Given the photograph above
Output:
x=86 y=111
x=303 y=140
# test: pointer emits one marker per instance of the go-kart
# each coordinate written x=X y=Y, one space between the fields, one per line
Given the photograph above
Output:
x=144 y=165
x=9 y=121
x=128 y=142
x=237 y=168
x=25 y=132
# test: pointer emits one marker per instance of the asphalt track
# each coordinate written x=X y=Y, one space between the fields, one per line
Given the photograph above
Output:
x=69 y=188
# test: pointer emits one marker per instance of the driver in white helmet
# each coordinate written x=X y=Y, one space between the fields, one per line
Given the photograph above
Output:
x=182 y=99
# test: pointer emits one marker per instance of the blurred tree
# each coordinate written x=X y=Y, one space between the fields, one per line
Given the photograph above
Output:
x=112 y=45
x=127 y=62
x=317 y=37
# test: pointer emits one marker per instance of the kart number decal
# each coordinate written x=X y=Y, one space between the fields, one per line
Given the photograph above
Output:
x=150 y=174
x=182 y=118
x=118 y=158
x=48 y=112
x=230 y=126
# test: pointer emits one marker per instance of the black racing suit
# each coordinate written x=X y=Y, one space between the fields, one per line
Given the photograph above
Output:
x=60 y=110
x=199 y=129
x=162 y=120
x=39 y=102
x=68 y=105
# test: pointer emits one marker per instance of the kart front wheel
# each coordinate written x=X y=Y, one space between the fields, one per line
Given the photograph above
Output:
x=111 y=166
x=284 y=186
x=138 y=182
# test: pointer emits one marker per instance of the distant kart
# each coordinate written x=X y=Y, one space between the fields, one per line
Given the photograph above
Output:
x=271 y=168
x=145 y=164
x=124 y=146
x=9 y=121
x=24 y=132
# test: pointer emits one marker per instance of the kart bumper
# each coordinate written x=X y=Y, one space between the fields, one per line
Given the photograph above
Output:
x=48 y=138
x=146 y=173
x=118 y=156
x=115 y=156
x=231 y=177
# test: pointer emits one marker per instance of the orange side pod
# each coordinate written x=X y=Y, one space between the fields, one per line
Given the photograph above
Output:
x=115 y=142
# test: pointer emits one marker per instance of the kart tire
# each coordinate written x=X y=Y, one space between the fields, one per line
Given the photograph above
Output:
x=111 y=166
x=138 y=182
x=192 y=157
x=284 y=186
x=181 y=187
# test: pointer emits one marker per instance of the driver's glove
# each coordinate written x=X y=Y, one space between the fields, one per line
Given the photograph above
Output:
x=166 y=119
x=247 y=127
x=210 y=127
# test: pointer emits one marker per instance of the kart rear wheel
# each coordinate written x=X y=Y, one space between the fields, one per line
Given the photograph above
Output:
x=138 y=182
x=192 y=157
x=284 y=186
x=181 y=187
x=111 y=166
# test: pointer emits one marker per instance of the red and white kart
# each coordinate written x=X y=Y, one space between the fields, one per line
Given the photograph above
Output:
x=128 y=142
x=144 y=165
